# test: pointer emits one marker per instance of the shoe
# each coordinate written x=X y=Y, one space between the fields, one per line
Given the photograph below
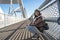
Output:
x=35 y=36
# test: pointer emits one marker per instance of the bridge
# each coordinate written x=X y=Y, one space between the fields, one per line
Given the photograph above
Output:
x=50 y=10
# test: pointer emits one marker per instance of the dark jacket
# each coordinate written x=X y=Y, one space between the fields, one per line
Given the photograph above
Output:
x=39 y=23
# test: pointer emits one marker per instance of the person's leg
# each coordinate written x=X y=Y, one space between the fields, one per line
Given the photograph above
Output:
x=33 y=29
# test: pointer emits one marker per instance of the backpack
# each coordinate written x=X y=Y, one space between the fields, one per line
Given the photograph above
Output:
x=46 y=27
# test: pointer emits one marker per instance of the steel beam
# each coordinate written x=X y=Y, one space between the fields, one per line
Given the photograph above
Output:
x=21 y=7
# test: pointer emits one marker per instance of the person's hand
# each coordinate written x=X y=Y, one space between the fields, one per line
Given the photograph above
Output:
x=32 y=24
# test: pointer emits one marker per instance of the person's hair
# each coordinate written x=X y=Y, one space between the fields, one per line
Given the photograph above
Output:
x=37 y=11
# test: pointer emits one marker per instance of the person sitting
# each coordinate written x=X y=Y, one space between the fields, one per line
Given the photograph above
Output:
x=38 y=25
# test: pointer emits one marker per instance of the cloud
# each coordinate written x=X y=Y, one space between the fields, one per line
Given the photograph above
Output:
x=1 y=11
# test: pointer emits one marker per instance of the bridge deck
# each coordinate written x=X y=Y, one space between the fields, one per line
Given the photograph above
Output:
x=18 y=32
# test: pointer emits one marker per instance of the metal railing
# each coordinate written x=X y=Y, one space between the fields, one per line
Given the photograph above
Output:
x=51 y=12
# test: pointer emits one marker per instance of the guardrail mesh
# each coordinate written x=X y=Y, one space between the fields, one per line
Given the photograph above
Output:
x=52 y=11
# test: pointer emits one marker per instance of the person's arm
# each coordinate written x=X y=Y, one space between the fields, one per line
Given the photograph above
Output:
x=38 y=21
x=32 y=23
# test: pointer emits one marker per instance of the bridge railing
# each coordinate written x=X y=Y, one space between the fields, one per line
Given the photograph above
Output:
x=51 y=14
x=6 y=20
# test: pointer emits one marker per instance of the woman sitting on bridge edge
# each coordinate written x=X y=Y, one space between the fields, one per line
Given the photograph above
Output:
x=38 y=25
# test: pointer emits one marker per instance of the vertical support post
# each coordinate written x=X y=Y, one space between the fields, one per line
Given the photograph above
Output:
x=59 y=11
x=59 y=15
x=11 y=8
x=59 y=6
x=21 y=7
x=4 y=20
x=25 y=13
x=11 y=2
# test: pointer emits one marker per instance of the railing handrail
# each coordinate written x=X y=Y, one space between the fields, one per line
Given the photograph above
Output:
x=49 y=20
